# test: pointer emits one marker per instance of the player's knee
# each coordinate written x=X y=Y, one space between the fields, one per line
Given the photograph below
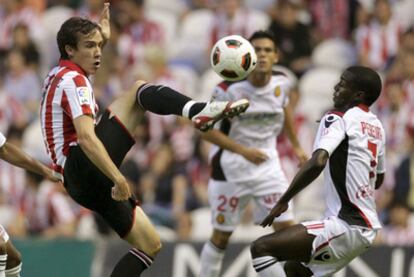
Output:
x=259 y=248
x=295 y=269
x=157 y=248
x=220 y=239
x=290 y=268
x=3 y=246
x=137 y=85
x=14 y=259
x=152 y=246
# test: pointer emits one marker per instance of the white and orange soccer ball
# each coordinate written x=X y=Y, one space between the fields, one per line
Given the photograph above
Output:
x=233 y=58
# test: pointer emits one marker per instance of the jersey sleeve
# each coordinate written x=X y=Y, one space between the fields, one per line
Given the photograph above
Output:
x=330 y=133
x=77 y=97
x=221 y=93
x=381 y=157
x=286 y=87
x=2 y=139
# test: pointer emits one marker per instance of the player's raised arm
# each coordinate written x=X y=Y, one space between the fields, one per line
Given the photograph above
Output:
x=310 y=170
x=104 y=23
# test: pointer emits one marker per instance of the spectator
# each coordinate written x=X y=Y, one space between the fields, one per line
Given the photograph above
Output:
x=12 y=112
x=23 y=42
x=408 y=71
x=166 y=193
x=404 y=181
x=398 y=232
x=332 y=18
x=292 y=36
x=91 y=9
x=14 y=12
x=232 y=18
x=378 y=41
x=139 y=32
x=22 y=83
x=47 y=209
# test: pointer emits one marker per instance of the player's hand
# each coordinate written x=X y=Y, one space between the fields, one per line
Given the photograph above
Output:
x=120 y=190
x=301 y=155
x=254 y=155
x=277 y=210
x=104 y=22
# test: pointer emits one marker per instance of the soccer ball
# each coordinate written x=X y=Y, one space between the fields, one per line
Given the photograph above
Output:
x=233 y=58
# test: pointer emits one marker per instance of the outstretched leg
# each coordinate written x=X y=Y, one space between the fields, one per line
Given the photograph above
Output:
x=163 y=100
x=292 y=243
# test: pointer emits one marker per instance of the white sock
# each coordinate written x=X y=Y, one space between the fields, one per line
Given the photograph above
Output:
x=267 y=266
x=3 y=260
x=187 y=107
x=14 y=272
x=211 y=259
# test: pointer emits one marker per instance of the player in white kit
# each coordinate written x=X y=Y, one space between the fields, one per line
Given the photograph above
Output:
x=245 y=162
x=10 y=258
x=349 y=147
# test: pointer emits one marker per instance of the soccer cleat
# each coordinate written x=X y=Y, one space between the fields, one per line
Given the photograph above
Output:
x=216 y=110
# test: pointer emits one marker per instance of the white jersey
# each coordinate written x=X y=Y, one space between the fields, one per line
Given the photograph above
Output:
x=258 y=127
x=355 y=141
x=2 y=139
x=67 y=94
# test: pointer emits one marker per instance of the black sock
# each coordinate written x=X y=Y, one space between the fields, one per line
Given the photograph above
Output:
x=196 y=108
x=132 y=264
x=164 y=100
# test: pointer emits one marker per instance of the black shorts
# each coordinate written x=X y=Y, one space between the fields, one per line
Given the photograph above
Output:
x=89 y=187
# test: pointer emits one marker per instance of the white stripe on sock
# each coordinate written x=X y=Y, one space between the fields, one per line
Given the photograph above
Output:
x=261 y=263
x=187 y=107
x=14 y=272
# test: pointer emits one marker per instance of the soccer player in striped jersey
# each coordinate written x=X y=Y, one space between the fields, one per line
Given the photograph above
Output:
x=350 y=148
x=86 y=154
x=246 y=165
x=10 y=258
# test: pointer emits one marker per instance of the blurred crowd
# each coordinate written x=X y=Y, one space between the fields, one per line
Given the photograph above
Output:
x=168 y=42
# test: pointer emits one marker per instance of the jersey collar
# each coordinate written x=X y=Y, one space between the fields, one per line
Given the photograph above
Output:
x=363 y=107
x=71 y=65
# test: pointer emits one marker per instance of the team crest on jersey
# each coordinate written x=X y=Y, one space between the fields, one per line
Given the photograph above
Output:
x=277 y=91
x=84 y=95
x=220 y=218
x=329 y=120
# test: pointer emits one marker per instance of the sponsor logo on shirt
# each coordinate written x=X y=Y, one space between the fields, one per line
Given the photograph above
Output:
x=84 y=95
x=277 y=91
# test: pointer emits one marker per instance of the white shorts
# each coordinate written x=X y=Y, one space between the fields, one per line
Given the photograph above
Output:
x=3 y=234
x=336 y=244
x=228 y=201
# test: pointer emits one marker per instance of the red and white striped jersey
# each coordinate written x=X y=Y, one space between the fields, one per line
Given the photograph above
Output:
x=46 y=207
x=67 y=94
x=379 y=42
x=355 y=141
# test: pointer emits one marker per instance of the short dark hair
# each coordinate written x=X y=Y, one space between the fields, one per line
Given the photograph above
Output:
x=264 y=34
x=366 y=80
x=69 y=33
